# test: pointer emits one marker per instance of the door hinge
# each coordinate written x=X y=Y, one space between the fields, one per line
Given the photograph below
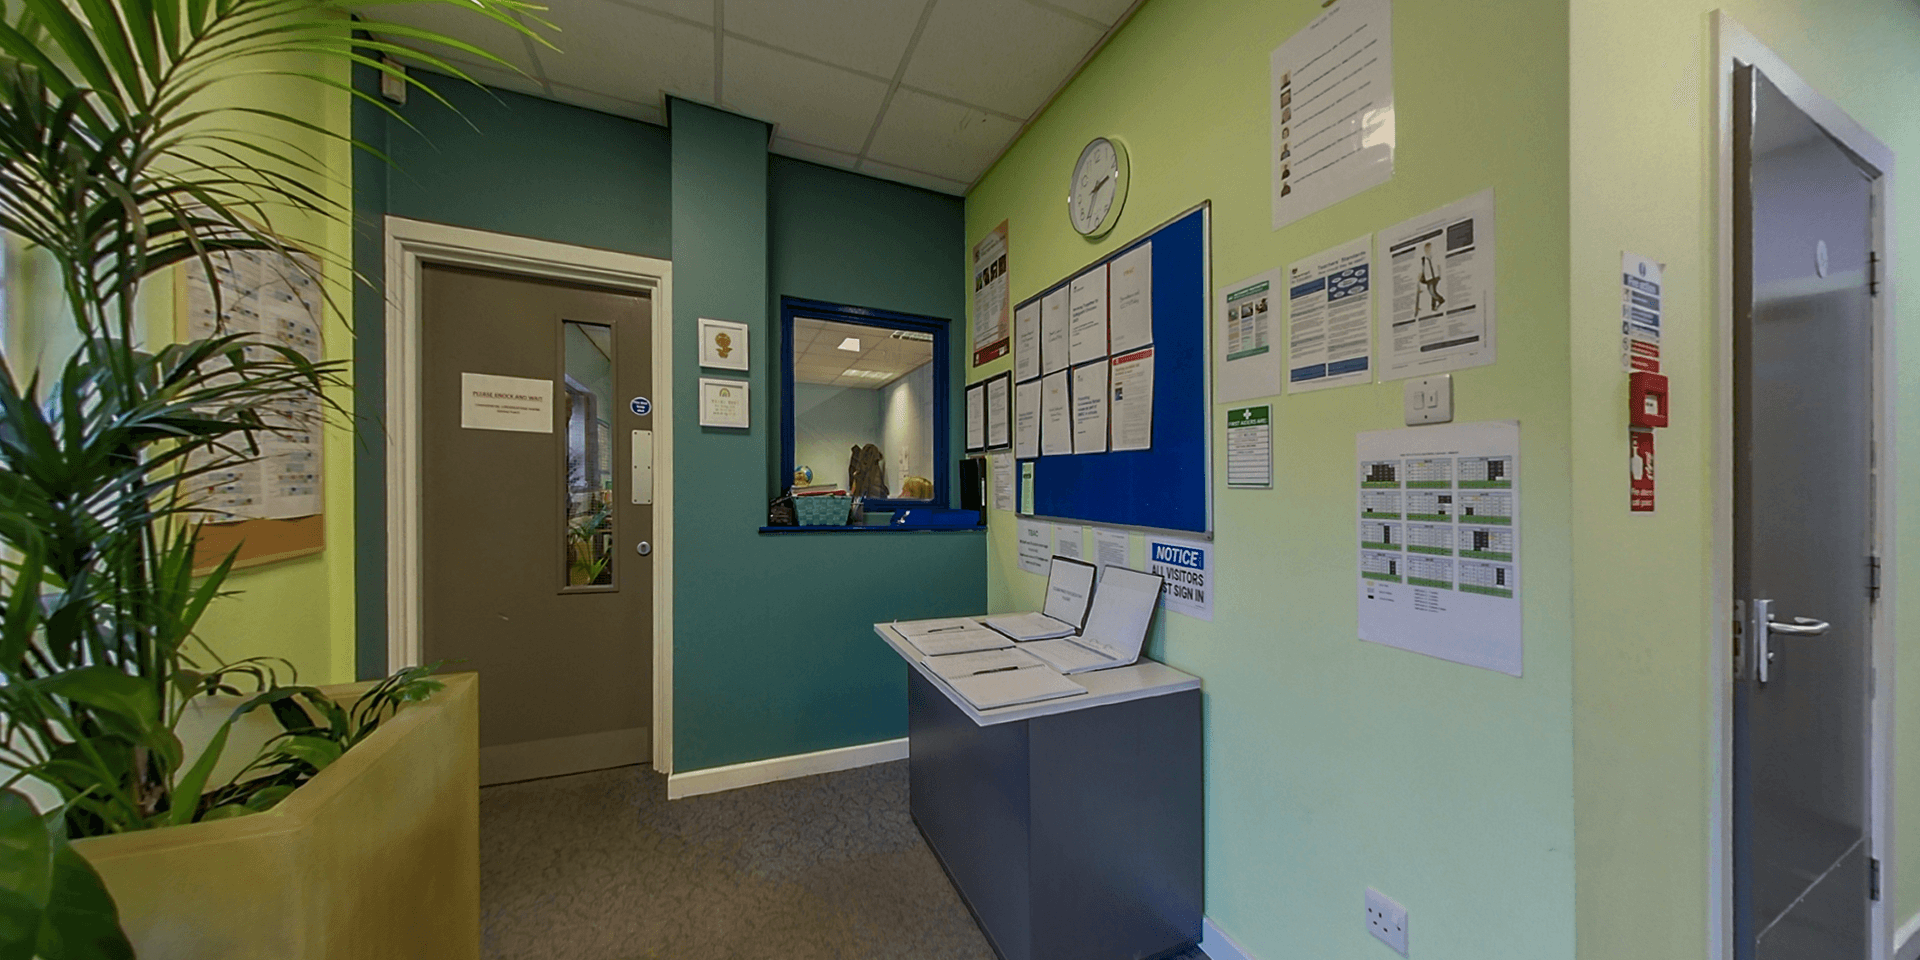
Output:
x=1873 y=273
x=1873 y=579
x=1873 y=879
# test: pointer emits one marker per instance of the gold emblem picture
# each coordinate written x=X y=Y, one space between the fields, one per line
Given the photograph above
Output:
x=723 y=344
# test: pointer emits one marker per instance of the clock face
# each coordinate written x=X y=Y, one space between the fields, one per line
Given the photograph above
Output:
x=1098 y=188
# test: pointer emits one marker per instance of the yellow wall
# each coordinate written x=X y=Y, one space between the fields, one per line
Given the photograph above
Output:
x=300 y=609
x=1334 y=764
x=1643 y=180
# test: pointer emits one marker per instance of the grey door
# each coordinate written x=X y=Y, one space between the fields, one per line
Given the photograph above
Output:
x=1803 y=495
x=532 y=566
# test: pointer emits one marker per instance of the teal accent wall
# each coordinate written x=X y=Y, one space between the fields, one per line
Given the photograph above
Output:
x=774 y=652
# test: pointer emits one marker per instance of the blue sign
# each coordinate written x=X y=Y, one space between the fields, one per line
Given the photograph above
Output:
x=641 y=406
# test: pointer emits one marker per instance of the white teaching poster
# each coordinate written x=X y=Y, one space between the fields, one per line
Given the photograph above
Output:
x=1056 y=415
x=1330 y=318
x=1053 y=331
x=1332 y=109
x=1440 y=313
x=999 y=412
x=1130 y=290
x=1438 y=540
x=1034 y=542
x=1090 y=408
x=1246 y=360
x=991 y=307
x=1003 y=481
x=1026 y=419
x=1087 y=316
x=1131 y=381
x=1026 y=342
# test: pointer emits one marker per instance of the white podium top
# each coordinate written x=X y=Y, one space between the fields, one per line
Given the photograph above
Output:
x=1147 y=678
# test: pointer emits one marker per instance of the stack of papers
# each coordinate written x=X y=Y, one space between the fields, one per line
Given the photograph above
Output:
x=936 y=638
x=1031 y=626
x=1005 y=688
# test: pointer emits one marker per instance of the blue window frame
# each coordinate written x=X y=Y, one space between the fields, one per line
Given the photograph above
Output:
x=886 y=324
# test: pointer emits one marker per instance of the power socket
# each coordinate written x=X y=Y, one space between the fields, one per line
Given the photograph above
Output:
x=1387 y=920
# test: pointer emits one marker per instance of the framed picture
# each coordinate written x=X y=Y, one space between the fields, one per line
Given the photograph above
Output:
x=723 y=344
x=724 y=403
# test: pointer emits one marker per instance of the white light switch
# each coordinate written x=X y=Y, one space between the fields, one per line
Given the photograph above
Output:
x=1430 y=400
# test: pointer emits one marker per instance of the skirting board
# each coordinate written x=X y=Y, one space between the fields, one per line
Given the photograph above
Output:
x=1906 y=940
x=1215 y=943
x=716 y=779
x=534 y=759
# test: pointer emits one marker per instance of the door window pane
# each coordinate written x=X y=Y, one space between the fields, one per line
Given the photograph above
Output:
x=589 y=466
x=862 y=410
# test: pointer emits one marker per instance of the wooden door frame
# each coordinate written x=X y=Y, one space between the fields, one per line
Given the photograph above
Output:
x=1733 y=47
x=411 y=245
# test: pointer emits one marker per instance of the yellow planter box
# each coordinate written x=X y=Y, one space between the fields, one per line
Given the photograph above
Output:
x=377 y=857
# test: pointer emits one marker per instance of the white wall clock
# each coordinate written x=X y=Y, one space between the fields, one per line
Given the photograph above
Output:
x=1099 y=187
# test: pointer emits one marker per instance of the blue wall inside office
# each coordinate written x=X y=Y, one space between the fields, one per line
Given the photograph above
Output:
x=774 y=652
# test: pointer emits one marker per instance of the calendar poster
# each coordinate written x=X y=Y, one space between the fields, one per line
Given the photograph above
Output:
x=1439 y=541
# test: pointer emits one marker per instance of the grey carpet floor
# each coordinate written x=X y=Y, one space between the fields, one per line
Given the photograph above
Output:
x=599 y=866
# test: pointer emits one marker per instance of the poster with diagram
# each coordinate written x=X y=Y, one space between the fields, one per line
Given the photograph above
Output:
x=1439 y=313
x=276 y=300
x=1438 y=541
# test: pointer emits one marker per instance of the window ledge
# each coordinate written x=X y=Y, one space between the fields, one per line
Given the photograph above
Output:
x=885 y=528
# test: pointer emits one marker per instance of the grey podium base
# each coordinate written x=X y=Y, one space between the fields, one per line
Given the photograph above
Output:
x=1073 y=836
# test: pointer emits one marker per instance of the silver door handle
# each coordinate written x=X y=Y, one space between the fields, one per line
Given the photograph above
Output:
x=1801 y=627
x=643 y=548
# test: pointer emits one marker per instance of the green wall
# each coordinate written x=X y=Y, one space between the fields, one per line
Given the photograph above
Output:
x=773 y=650
x=1643 y=126
x=1332 y=764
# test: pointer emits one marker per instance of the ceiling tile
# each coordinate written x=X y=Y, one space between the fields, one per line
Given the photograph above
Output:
x=1005 y=55
x=481 y=31
x=1108 y=12
x=643 y=112
x=868 y=35
x=813 y=103
x=699 y=11
x=629 y=54
x=940 y=138
x=807 y=151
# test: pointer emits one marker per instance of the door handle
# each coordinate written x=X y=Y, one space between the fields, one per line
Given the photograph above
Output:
x=1801 y=627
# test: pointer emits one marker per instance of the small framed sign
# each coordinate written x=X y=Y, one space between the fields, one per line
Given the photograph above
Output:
x=723 y=344
x=724 y=403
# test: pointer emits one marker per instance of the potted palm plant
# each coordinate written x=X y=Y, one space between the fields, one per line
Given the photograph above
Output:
x=123 y=155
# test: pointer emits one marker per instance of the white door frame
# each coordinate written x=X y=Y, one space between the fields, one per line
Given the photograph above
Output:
x=410 y=246
x=1734 y=46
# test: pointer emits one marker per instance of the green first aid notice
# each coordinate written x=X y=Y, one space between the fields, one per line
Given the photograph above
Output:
x=1250 y=447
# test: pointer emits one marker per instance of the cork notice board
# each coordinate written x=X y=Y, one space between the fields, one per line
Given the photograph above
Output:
x=269 y=509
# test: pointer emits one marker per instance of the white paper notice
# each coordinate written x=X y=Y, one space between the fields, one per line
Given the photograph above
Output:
x=1641 y=280
x=1111 y=548
x=1026 y=419
x=1003 y=481
x=1035 y=545
x=1054 y=331
x=1330 y=318
x=1250 y=447
x=976 y=417
x=1246 y=362
x=1025 y=504
x=1056 y=415
x=1441 y=314
x=518 y=404
x=1131 y=382
x=1332 y=109
x=276 y=301
x=1439 y=541
x=999 y=412
x=1130 y=287
x=1087 y=323
x=1187 y=566
x=1026 y=342
x=1070 y=541
x=1090 y=408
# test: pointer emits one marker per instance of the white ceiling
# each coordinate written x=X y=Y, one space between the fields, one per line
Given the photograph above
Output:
x=925 y=92
x=875 y=358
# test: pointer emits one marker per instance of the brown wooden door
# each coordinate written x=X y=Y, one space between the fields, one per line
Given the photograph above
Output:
x=531 y=569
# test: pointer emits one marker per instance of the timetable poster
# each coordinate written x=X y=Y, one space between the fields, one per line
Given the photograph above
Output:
x=1438 y=541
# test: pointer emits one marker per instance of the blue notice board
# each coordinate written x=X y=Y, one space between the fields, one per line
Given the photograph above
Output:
x=1166 y=487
